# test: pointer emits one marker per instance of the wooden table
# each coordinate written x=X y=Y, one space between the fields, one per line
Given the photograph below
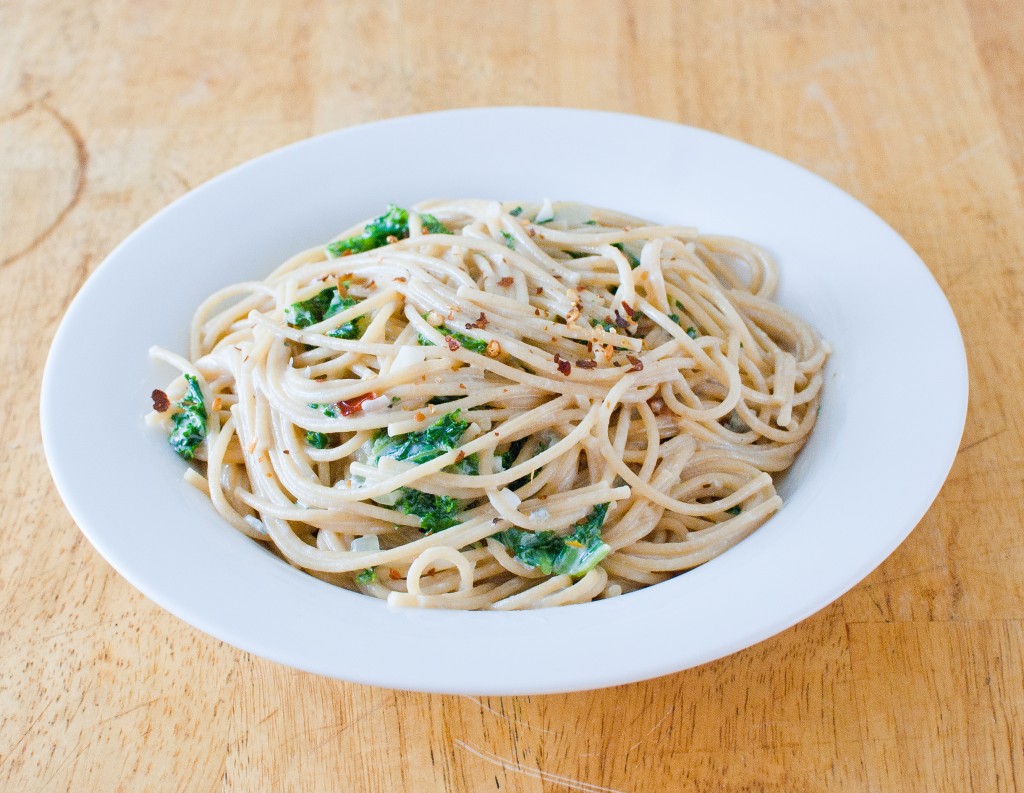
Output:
x=914 y=681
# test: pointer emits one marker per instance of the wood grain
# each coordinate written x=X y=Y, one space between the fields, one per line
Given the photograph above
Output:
x=914 y=681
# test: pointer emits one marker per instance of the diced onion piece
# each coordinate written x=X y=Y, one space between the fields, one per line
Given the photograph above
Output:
x=367 y=543
x=546 y=213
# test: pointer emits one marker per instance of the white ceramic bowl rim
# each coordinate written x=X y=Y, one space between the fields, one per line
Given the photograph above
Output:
x=893 y=414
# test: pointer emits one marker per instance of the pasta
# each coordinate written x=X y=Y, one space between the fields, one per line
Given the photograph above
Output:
x=477 y=405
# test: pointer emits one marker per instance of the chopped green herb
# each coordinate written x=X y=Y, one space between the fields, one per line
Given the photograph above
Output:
x=190 y=420
x=318 y=440
x=393 y=223
x=328 y=410
x=589 y=222
x=467 y=466
x=421 y=446
x=692 y=332
x=367 y=576
x=632 y=258
x=734 y=510
x=436 y=513
x=510 y=241
x=440 y=400
x=578 y=254
x=321 y=306
x=609 y=326
x=680 y=306
x=508 y=457
x=674 y=318
x=471 y=344
x=575 y=554
x=516 y=212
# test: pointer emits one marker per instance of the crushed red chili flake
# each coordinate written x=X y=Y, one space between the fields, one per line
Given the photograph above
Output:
x=563 y=365
x=453 y=343
x=394 y=575
x=507 y=281
x=354 y=405
x=160 y=401
x=629 y=309
x=585 y=364
x=540 y=290
x=460 y=456
x=480 y=322
x=638 y=365
x=400 y=279
x=620 y=321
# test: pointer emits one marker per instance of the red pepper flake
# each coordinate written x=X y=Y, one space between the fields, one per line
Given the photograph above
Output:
x=160 y=401
x=419 y=416
x=638 y=365
x=480 y=323
x=620 y=321
x=536 y=312
x=540 y=291
x=563 y=365
x=585 y=364
x=507 y=281
x=460 y=456
x=453 y=343
x=394 y=575
x=630 y=311
x=400 y=279
x=354 y=405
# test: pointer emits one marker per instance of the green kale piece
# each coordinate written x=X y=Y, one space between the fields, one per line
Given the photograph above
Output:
x=734 y=510
x=516 y=212
x=632 y=258
x=436 y=513
x=393 y=223
x=321 y=306
x=318 y=440
x=510 y=241
x=190 y=420
x=423 y=445
x=467 y=466
x=674 y=318
x=468 y=342
x=551 y=554
x=367 y=576
x=508 y=457
x=331 y=411
x=692 y=332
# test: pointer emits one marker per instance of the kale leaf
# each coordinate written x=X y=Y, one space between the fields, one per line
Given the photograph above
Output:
x=393 y=223
x=190 y=420
x=471 y=344
x=551 y=554
x=436 y=513
x=318 y=440
x=423 y=445
x=632 y=258
x=367 y=576
x=321 y=306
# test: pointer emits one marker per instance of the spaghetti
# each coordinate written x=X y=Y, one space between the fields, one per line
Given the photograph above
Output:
x=477 y=405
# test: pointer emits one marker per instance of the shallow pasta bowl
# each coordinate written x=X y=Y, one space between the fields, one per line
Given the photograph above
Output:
x=893 y=407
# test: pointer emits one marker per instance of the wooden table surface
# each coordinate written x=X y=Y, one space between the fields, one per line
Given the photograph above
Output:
x=914 y=681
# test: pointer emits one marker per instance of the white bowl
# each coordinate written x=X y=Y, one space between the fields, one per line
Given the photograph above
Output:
x=893 y=412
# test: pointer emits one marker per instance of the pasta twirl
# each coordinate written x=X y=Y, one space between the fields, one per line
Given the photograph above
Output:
x=479 y=405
